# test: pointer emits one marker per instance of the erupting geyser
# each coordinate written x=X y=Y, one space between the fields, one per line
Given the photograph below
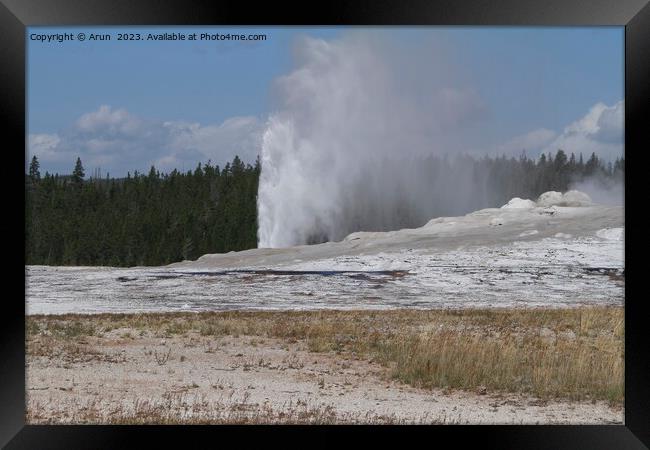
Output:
x=338 y=153
x=334 y=117
x=358 y=142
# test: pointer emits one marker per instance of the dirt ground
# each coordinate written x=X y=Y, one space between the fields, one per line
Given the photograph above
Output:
x=126 y=376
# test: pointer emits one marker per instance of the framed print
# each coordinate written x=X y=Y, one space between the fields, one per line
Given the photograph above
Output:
x=345 y=219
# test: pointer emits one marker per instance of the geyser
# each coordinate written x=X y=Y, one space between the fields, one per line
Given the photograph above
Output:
x=346 y=150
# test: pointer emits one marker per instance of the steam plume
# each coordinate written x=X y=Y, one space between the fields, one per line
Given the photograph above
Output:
x=337 y=156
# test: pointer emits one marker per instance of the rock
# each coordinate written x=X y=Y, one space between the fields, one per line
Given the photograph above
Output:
x=545 y=332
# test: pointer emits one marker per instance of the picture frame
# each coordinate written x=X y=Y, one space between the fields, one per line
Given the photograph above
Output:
x=634 y=15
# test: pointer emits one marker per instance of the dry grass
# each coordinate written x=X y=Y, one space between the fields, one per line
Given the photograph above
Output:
x=570 y=353
x=197 y=411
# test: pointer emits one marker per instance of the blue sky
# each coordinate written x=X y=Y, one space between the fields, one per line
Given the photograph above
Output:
x=537 y=87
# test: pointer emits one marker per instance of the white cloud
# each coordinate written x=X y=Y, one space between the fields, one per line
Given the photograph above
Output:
x=43 y=144
x=600 y=131
x=236 y=135
x=119 y=141
x=110 y=121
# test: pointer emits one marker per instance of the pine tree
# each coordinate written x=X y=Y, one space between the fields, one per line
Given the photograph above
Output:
x=34 y=173
x=619 y=166
x=78 y=173
x=561 y=178
x=592 y=164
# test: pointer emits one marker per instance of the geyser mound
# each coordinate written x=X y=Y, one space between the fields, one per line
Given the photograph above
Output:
x=569 y=198
x=518 y=203
x=551 y=198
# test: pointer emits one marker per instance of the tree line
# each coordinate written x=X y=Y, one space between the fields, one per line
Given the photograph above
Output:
x=143 y=219
x=157 y=219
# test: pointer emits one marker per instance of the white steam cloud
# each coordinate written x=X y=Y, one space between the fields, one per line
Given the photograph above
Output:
x=338 y=155
x=602 y=190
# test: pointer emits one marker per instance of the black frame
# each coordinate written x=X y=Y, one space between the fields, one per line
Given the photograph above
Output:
x=16 y=15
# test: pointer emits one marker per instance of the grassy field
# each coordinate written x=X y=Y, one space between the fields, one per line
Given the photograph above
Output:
x=574 y=354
